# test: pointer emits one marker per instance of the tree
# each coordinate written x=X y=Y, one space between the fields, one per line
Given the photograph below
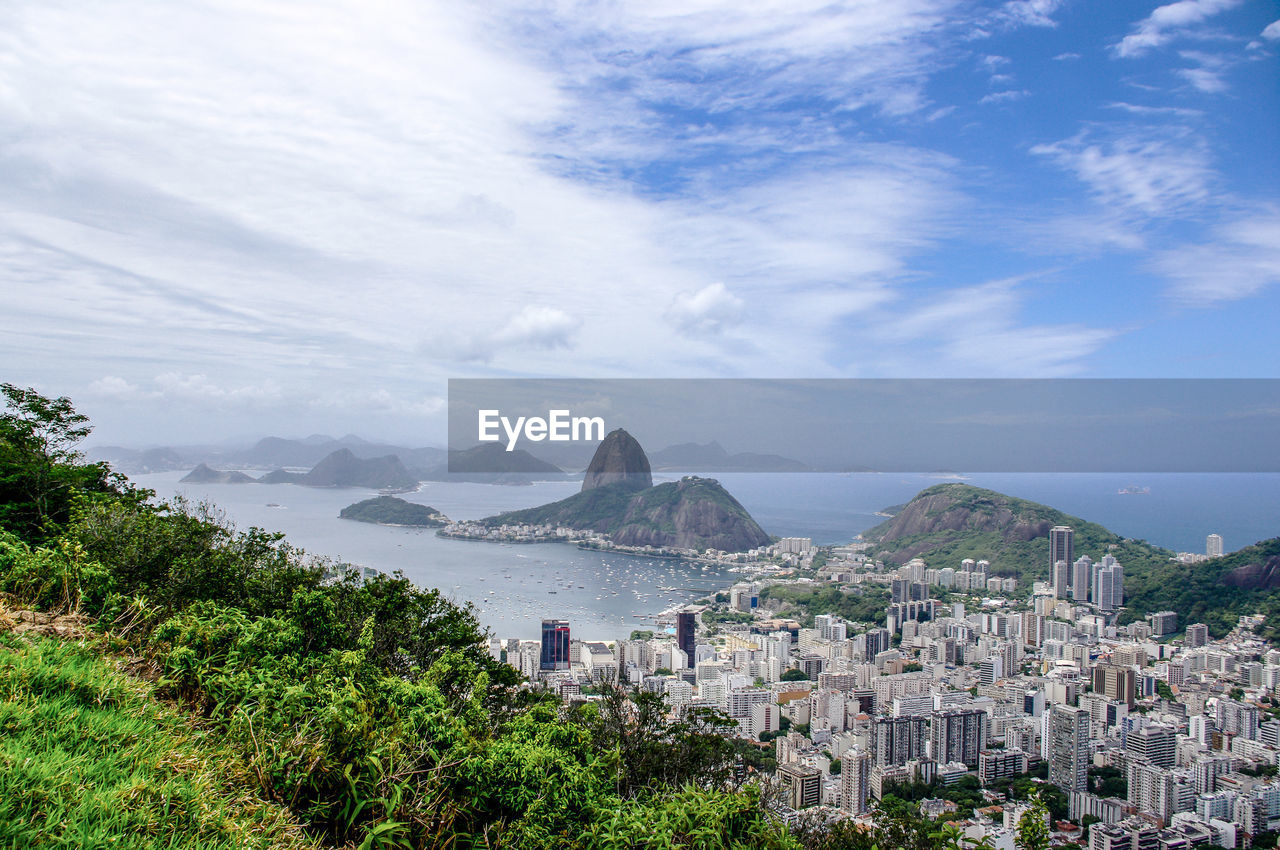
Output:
x=649 y=749
x=1033 y=827
x=40 y=471
x=795 y=674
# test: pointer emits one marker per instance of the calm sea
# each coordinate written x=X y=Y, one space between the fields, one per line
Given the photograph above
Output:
x=606 y=596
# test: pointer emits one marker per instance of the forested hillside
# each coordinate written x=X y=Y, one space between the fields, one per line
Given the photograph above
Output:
x=339 y=712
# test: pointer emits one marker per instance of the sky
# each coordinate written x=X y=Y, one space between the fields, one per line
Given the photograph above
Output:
x=220 y=220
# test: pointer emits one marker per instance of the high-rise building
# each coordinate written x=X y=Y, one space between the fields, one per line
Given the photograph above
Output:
x=1154 y=789
x=1108 y=584
x=687 y=634
x=1115 y=683
x=855 y=782
x=898 y=740
x=1163 y=623
x=1061 y=578
x=1154 y=742
x=803 y=785
x=877 y=642
x=555 y=645
x=1197 y=635
x=1061 y=545
x=1213 y=545
x=1068 y=747
x=994 y=765
x=958 y=735
x=1081 y=578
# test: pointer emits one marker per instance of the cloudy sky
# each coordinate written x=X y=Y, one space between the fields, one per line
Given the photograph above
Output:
x=224 y=219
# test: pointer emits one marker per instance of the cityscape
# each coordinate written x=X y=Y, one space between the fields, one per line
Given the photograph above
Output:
x=1148 y=735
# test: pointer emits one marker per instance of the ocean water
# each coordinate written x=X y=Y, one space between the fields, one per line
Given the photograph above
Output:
x=605 y=596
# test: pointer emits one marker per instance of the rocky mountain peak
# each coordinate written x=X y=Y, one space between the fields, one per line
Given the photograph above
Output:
x=618 y=458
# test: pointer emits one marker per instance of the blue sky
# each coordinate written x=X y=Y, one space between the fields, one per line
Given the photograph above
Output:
x=230 y=218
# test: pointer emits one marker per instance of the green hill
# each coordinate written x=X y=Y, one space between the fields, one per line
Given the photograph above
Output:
x=692 y=513
x=947 y=523
x=389 y=510
x=89 y=758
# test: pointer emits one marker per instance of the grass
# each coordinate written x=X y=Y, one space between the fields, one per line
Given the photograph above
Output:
x=88 y=758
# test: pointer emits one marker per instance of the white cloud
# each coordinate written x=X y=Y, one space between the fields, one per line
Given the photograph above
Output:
x=1169 y=21
x=1140 y=109
x=1242 y=260
x=1036 y=13
x=709 y=310
x=116 y=388
x=1005 y=96
x=272 y=209
x=1272 y=31
x=538 y=327
x=1155 y=176
x=977 y=329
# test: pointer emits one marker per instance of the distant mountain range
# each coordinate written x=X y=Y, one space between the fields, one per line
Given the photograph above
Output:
x=712 y=457
x=269 y=453
x=338 y=469
x=491 y=463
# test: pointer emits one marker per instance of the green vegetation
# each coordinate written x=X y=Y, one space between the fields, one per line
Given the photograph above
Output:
x=1208 y=592
x=1108 y=782
x=1009 y=532
x=857 y=604
x=89 y=759
x=1033 y=831
x=795 y=674
x=388 y=510
x=693 y=512
x=947 y=523
x=712 y=618
x=330 y=710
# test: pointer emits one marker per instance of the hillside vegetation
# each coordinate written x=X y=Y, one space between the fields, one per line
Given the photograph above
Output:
x=388 y=510
x=89 y=758
x=352 y=714
x=947 y=523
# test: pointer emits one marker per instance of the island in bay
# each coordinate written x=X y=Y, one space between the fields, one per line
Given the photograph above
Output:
x=389 y=510
x=620 y=506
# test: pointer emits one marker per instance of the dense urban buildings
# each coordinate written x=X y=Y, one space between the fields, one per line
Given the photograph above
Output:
x=1160 y=735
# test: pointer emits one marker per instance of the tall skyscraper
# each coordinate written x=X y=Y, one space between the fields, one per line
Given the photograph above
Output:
x=1061 y=576
x=1197 y=635
x=958 y=735
x=855 y=781
x=1108 y=583
x=1154 y=743
x=1081 y=578
x=1068 y=747
x=1061 y=545
x=897 y=740
x=687 y=635
x=555 y=645
x=1213 y=545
